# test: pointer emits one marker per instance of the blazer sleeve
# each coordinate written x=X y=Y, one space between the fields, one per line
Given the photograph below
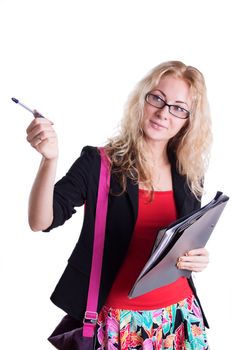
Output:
x=71 y=190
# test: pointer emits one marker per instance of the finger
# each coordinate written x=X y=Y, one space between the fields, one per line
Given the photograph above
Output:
x=193 y=269
x=185 y=264
x=30 y=126
x=199 y=251
x=39 y=130
x=39 y=115
x=35 y=142
x=191 y=266
x=195 y=258
x=38 y=141
x=45 y=135
x=37 y=121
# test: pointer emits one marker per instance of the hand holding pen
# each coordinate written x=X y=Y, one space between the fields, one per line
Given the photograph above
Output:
x=41 y=134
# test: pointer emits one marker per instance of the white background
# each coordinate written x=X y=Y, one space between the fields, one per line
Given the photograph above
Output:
x=76 y=62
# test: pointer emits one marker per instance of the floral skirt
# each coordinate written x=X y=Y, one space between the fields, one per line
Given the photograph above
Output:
x=178 y=326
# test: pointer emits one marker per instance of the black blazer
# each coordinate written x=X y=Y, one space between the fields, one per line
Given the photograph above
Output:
x=80 y=186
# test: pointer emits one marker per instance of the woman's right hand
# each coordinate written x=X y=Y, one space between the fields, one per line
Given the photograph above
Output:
x=42 y=136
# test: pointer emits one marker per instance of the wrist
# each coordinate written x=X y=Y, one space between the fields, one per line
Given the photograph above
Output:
x=49 y=161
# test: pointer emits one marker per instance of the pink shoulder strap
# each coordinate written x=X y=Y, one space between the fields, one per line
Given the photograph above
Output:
x=91 y=315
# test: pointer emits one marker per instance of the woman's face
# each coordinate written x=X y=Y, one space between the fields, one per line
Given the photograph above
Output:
x=159 y=125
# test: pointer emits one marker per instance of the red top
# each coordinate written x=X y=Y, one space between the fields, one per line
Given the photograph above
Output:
x=151 y=217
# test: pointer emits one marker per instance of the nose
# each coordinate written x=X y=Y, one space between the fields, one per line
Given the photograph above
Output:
x=163 y=113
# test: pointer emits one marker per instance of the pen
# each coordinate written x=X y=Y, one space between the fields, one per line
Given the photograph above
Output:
x=36 y=114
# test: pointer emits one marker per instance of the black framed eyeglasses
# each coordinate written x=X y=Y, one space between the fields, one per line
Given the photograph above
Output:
x=176 y=110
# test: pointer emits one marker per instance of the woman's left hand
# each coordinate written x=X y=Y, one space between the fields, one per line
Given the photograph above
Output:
x=195 y=260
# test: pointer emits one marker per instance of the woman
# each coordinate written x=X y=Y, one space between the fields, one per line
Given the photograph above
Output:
x=158 y=162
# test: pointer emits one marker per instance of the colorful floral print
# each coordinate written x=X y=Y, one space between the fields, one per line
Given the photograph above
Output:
x=176 y=327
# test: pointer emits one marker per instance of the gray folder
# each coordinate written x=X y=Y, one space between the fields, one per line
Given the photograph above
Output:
x=189 y=232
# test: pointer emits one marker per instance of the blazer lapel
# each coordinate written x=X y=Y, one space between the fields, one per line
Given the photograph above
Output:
x=132 y=191
x=185 y=200
x=179 y=188
x=178 y=182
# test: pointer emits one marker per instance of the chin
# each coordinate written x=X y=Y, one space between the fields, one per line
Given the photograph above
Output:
x=156 y=138
x=154 y=135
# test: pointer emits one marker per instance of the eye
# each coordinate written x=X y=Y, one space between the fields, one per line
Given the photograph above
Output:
x=157 y=98
x=178 y=109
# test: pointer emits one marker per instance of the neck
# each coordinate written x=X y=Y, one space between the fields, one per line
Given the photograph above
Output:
x=157 y=153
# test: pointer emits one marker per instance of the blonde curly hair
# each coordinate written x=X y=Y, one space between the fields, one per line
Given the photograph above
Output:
x=191 y=145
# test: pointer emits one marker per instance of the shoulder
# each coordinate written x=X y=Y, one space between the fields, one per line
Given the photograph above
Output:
x=88 y=157
x=90 y=152
x=86 y=164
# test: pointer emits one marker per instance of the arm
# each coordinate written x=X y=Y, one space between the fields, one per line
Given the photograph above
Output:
x=40 y=211
x=51 y=205
x=71 y=190
x=42 y=137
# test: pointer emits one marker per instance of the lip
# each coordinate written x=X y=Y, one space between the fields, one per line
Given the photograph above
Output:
x=158 y=125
